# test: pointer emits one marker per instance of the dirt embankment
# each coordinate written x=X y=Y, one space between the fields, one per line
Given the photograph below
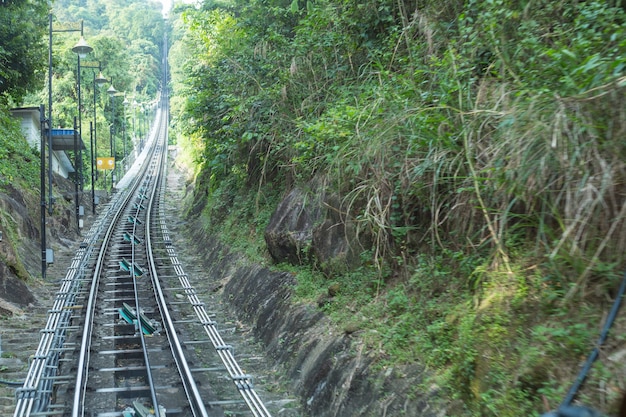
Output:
x=331 y=371
x=20 y=248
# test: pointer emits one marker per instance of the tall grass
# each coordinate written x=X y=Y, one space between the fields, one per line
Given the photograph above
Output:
x=486 y=158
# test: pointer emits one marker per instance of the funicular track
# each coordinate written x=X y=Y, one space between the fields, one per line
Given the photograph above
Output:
x=117 y=341
x=119 y=366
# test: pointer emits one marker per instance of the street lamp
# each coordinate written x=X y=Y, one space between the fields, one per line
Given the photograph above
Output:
x=111 y=92
x=98 y=81
x=125 y=103
x=142 y=126
x=81 y=48
x=42 y=155
x=134 y=107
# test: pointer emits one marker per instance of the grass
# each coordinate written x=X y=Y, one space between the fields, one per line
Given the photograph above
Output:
x=19 y=170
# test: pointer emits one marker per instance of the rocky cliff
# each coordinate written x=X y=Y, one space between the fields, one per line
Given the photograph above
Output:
x=20 y=251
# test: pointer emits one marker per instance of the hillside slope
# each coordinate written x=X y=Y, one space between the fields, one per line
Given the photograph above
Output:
x=446 y=180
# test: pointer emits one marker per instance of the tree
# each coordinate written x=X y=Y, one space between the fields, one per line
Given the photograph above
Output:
x=22 y=47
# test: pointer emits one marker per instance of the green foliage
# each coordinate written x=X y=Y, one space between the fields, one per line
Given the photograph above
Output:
x=583 y=50
x=22 y=28
x=19 y=163
x=93 y=12
x=127 y=37
x=19 y=170
x=230 y=205
x=477 y=146
x=13 y=238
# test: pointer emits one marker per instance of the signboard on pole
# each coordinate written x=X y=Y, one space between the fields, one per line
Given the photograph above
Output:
x=106 y=163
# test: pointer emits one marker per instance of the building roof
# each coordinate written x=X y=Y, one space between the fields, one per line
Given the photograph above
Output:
x=22 y=111
x=63 y=140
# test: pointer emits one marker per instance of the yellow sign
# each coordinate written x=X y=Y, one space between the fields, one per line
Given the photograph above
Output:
x=106 y=163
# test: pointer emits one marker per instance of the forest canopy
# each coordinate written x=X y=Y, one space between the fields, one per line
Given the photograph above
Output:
x=22 y=47
x=127 y=38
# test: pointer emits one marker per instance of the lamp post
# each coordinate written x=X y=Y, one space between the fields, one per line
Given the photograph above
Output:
x=142 y=126
x=125 y=103
x=134 y=107
x=81 y=48
x=98 y=81
x=42 y=155
x=111 y=92
x=76 y=172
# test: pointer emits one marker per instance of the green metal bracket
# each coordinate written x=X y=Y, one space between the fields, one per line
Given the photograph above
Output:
x=125 y=265
x=134 y=239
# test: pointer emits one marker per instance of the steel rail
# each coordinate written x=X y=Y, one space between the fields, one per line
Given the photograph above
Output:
x=148 y=185
x=83 y=360
x=191 y=388
x=158 y=152
x=243 y=382
x=35 y=393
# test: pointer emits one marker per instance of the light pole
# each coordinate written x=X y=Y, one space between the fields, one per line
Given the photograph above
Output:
x=125 y=103
x=111 y=92
x=76 y=172
x=42 y=150
x=93 y=138
x=134 y=107
x=82 y=47
x=142 y=128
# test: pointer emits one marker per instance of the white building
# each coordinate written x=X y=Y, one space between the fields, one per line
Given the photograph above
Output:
x=62 y=139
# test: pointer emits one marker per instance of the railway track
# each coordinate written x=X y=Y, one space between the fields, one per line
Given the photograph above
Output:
x=127 y=334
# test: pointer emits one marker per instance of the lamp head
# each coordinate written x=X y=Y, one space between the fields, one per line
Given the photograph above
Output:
x=82 y=48
x=100 y=80
x=111 y=91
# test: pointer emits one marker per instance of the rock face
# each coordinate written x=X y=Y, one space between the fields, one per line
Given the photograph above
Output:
x=308 y=227
x=330 y=370
x=14 y=294
x=289 y=232
x=335 y=245
x=20 y=253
